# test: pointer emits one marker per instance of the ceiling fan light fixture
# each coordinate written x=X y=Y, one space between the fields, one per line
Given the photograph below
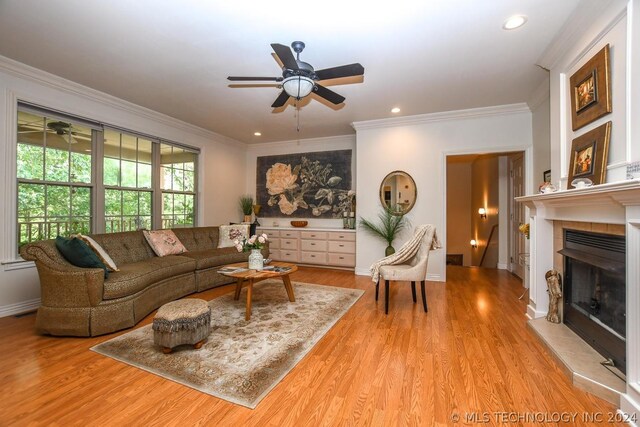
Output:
x=298 y=86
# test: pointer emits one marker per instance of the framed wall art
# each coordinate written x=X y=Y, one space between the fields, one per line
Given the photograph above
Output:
x=546 y=176
x=591 y=90
x=305 y=185
x=589 y=152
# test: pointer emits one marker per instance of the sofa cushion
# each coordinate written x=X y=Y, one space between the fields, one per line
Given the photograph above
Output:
x=198 y=238
x=216 y=257
x=79 y=254
x=125 y=247
x=136 y=276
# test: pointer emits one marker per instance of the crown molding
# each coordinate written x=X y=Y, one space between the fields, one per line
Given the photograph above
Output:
x=473 y=113
x=320 y=142
x=540 y=94
x=36 y=75
x=583 y=17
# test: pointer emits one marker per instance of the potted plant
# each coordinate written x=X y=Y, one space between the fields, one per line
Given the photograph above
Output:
x=392 y=222
x=246 y=206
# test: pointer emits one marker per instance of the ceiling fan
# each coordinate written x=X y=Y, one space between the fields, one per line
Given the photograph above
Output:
x=299 y=78
x=59 y=128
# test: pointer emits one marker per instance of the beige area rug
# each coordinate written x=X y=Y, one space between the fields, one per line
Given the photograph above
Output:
x=242 y=361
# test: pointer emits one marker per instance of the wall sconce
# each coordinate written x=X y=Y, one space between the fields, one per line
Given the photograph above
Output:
x=474 y=243
x=483 y=213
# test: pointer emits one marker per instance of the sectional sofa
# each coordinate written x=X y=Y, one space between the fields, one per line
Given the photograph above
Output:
x=81 y=302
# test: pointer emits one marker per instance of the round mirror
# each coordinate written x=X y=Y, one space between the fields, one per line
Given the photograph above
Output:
x=398 y=191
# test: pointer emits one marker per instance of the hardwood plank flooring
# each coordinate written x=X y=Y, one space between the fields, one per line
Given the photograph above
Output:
x=471 y=354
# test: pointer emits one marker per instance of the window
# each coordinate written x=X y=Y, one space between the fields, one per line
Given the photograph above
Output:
x=54 y=177
x=64 y=165
x=178 y=185
x=127 y=182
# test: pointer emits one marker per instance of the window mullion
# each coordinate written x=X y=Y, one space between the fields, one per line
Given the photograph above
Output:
x=156 y=190
x=98 y=220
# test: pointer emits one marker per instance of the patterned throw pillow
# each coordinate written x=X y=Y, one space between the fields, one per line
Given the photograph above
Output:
x=102 y=254
x=229 y=233
x=164 y=242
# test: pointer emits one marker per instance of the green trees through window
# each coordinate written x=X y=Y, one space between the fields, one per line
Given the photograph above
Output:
x=56 y=183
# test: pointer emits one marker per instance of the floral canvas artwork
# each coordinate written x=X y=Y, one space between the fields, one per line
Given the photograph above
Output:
x=305 y=185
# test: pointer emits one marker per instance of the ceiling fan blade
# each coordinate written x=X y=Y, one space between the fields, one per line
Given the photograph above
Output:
x=342 y=71
x=285 y=55
x=328 y=94
x=253 y=79
x=280 y=100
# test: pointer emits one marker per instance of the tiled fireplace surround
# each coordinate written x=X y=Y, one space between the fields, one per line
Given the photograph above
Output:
x=609 y=208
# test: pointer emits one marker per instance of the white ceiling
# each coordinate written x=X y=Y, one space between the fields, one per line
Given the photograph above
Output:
x=174 y=56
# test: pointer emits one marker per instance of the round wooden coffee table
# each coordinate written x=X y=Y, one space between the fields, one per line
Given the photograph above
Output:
x=282 y=269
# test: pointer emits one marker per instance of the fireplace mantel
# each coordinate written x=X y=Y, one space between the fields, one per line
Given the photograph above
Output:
x=612 y=203
x=605 y=203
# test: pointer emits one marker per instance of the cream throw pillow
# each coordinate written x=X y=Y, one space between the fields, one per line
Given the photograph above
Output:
x=164 y=242
x=101 y=253
x=229 y=233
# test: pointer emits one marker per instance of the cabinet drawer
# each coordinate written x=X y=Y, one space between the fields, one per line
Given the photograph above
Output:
x=313 y=257
x=313 y=245
x=290 y=234
x=270 y=233
x=274 y=254
x=342 y=260
x=290 y=256
x=274 y=243
x=313 y=235
x=291 y=244
x=342 y=247
x=338 y=235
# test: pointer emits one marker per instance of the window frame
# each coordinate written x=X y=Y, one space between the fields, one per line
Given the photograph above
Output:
x=97 y=186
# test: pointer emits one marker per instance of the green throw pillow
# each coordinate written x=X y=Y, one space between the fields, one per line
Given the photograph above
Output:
x=79 y=254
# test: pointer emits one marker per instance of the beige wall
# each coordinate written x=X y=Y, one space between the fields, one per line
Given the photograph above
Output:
x=484 y=194
x=459 y=209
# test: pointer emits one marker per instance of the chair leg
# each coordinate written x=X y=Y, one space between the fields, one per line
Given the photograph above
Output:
x=413 y=291
x=377 y=286
x=424 y=296
x=386 y=297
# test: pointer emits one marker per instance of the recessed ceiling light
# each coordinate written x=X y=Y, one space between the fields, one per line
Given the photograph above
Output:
x=514 y=22
x=395 y=110
x=257 y=134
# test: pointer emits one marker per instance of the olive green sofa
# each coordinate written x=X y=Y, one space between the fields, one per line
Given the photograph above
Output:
x=81 y=302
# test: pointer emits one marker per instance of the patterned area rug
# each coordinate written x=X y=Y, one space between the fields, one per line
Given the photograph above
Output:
x=242 y=361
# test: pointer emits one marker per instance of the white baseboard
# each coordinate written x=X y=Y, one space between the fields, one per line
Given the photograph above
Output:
x=434 y=277
x=362 y=272
x=532 y=313
x=630 y=408
x=19 y=308
x=501 y=266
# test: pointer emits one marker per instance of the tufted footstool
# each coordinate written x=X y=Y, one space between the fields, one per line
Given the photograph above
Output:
x=186 y=321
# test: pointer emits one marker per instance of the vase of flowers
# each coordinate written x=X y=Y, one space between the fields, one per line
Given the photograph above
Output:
x=254 y=244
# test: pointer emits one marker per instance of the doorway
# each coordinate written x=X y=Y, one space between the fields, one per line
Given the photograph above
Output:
x=479 y=204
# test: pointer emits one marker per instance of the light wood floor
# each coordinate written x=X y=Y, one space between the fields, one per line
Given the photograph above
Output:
x=471 y=353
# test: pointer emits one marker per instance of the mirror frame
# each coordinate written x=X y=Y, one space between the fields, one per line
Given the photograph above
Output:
x=415 y=189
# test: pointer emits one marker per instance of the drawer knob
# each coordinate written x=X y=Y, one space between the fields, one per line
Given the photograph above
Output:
x=313 y=235
x=342 y=246
x=313 y=256
x=342 y=237
x=341 y=257
x=313 y=244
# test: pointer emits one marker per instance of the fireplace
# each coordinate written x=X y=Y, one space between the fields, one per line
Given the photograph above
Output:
x=595 y=291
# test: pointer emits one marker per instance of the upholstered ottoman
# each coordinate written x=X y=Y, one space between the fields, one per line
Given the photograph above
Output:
x=186 y=321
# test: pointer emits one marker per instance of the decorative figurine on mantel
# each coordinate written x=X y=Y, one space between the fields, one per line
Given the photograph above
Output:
x=555 y=294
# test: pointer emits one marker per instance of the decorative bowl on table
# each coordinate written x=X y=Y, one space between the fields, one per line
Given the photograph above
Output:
x=299 y=223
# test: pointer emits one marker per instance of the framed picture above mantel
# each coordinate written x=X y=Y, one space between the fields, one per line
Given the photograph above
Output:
x=588 y=157
x=590 y=88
